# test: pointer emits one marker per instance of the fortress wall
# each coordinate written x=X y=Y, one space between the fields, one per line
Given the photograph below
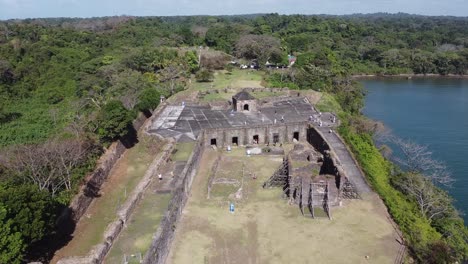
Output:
x=94 y=181
x=265 y=133
x=92 y=186
x=331 y=163
x=239 y=133
x=162 y=239
x=98 y=252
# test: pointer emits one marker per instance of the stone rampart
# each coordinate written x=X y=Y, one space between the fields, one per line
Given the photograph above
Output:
x=94 y=180
x=164 y=236
x=97 y=254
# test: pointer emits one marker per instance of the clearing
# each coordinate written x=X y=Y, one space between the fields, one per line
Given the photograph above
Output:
x=264 y=228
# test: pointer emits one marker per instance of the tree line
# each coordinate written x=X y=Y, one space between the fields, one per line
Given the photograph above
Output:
x=70 y=87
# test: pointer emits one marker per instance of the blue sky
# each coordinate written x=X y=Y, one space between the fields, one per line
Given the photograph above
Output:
x=90 y=8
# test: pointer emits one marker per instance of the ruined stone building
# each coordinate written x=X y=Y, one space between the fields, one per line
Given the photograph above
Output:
x=311 y=176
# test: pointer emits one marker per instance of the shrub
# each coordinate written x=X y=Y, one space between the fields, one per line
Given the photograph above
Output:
x=204 y=75
x=114 y=121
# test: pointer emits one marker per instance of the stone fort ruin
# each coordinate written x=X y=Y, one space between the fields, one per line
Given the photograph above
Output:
x=311 y=175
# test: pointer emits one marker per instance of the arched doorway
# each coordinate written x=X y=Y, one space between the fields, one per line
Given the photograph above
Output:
x=246 y=107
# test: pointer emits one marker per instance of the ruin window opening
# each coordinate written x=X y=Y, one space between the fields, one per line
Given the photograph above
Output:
x=213 y=142
x=275 y=138
x=255 y=139
x=235 y=141
x=296 y=136
x=246 y=107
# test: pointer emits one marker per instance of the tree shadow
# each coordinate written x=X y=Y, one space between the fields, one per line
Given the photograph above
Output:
x=8 y=117
x=131 y=138
x=45 y=249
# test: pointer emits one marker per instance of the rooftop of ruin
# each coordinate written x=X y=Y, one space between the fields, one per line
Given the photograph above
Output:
x=185 y=121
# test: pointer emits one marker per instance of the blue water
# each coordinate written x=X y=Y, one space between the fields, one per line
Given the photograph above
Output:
x=429 y=111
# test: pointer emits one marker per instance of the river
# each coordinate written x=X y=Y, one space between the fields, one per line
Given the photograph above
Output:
x=428 y=111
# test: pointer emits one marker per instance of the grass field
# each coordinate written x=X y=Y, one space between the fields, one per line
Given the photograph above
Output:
x=125 y=175
x=182 y=151
x=236 y=79
x=137 y=236
x=327 y=103
x=265 y=229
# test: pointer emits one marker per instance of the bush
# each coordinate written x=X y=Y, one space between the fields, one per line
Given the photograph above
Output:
x=149 y=100
x=114 y=121
x=27 y=215
x=204 y=75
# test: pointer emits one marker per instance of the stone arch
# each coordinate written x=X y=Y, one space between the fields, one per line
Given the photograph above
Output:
x=246 y=107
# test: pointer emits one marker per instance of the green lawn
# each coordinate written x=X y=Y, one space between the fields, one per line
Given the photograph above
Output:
x=137 y=236
x=182 y=151
x=327 y=103
x=236 y=79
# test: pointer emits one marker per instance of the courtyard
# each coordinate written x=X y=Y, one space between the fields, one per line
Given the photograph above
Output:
x=264 y=229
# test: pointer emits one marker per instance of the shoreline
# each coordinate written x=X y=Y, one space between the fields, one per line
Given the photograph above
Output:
x=409 y=76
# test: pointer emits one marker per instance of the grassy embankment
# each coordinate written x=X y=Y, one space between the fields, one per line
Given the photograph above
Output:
x=137 y=236
x=123 y=178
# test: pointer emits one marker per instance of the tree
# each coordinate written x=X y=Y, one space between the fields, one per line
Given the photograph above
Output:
x=432 y=202
x=204 y=75
x=6 y=73
x=417 y=159
x=127 y=86
x=49 y=165
x=29 y=211
x=11 y=244
x=170 y=73
x=149 y=100
x=191 y=60
x=260 y=47
x=113 y=121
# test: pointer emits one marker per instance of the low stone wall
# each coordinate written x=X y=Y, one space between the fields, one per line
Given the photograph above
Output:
x=214 y=169
x=164 y=236
x=97 y=254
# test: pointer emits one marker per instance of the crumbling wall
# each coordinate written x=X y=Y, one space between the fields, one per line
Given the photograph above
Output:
x=164 y=236
x=94 y=180
x=97 y=254
x=332 y=165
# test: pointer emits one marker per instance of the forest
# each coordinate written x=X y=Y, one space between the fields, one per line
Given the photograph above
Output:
x=70 y=87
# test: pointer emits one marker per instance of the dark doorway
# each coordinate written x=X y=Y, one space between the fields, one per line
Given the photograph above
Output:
x=213 y=142
x=275 y=138
x=235 y=141
x=255 y=139
x=246 y=107
x=296 y=136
